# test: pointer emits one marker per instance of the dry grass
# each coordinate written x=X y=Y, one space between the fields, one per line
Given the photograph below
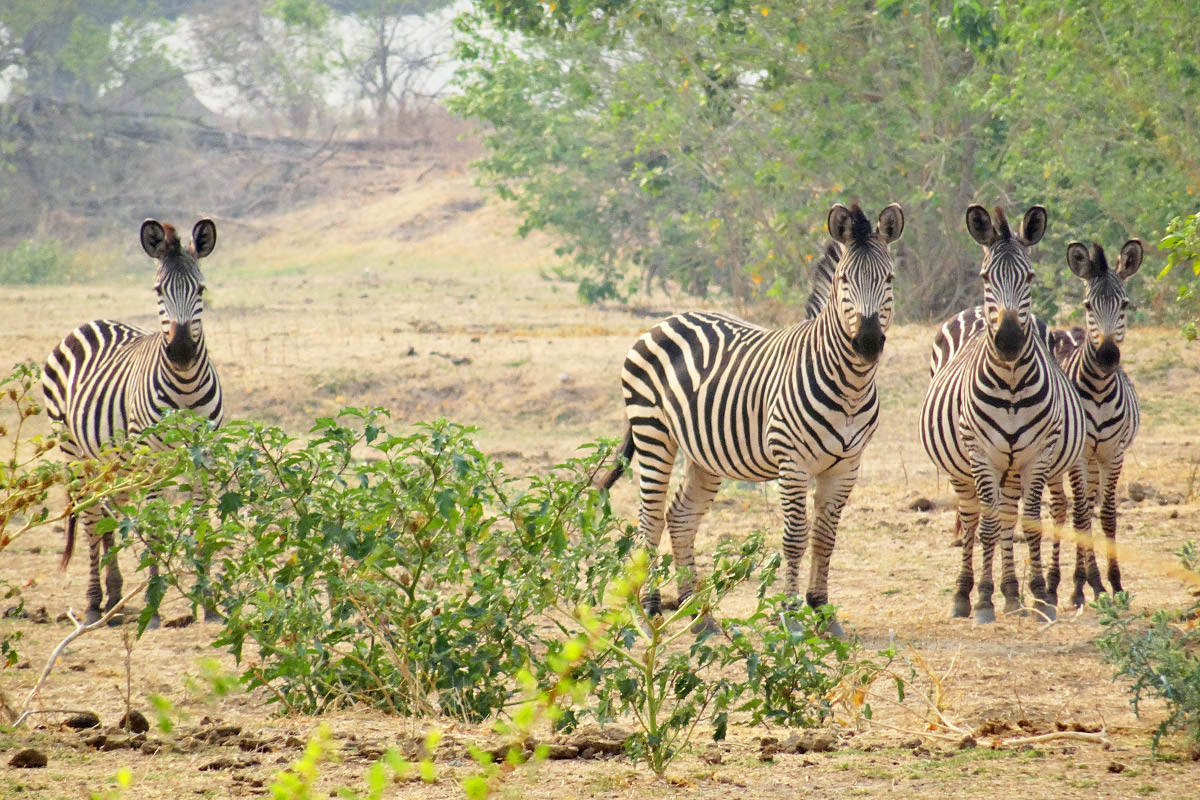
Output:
x=411 y=293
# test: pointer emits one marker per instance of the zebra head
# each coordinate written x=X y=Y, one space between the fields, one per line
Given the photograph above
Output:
x=1007 y=275
x=862 y=281
x=179 y=285
x=1105 y=300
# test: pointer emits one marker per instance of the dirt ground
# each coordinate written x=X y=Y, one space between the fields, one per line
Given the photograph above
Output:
x=410 y=293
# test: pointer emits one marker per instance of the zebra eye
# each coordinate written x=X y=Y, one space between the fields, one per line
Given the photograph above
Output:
x=889 y=279
x=1087 y=305
x=1124 y=304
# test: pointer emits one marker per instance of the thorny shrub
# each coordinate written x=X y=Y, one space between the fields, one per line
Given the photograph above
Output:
x=1158 y=652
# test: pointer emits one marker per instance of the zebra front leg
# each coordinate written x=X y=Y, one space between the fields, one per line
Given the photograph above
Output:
x=691 y=501
x=968 y=513
x=829 y=498
x=793 y=495
x=1083 y=479
x=1031 y=524
x=94 y=594
x=1108 y=518
x=1058 y=510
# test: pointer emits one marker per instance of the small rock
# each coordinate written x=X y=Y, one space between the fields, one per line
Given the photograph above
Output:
x=63 y=617
x=135 y=721
x=83 y=721
x=824 y=742
x=78 y=668
x=561 y=752
x=911 y=744
x=1140 y=491
x=28 y=759
x=15 y=612
x=1116 y=767
x=966 y=743
x=180 y=622
x=921 y=504
x=40 y=617
x=712 y=755
x=96 y=741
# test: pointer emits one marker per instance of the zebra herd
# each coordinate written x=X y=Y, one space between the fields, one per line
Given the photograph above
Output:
x=1012 y=407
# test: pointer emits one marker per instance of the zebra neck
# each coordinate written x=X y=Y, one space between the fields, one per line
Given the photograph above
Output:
x=835 y=354
x=1009 y=371
x=189 y=373
x=1088 y=366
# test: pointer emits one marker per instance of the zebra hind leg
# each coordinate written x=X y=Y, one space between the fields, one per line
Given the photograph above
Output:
x=653 y=458
x=1031 y=524
x=691 y=501
x=829 y=498
x=968 y=514
x=1058 y=511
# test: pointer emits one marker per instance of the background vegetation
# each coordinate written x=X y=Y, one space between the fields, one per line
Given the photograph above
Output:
x=703 y=142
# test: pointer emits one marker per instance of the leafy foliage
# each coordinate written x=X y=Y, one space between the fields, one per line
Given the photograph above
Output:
x=1159 y=653
x=35 y=262
x=404 y=572
x=702 y=144
x=1182 y=244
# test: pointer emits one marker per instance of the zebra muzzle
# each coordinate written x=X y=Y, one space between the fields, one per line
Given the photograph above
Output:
x=1009 y=336
x=181 y=348
x=868 y=342
x=1108 y=355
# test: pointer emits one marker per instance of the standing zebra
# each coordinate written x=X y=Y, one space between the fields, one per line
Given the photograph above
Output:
x=1001 y=418
x=107 y=379
x=753 y=404
x=820 y=281
x=1092 y=362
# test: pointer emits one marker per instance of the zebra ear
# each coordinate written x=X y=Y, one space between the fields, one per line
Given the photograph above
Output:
x=979 y=225
x=1130 y=259
x=1033 y=228
x=204 y=237
x=841 y=223
x=154 y=239
x=833 y=252
x=1079 y=260
x=891 y=222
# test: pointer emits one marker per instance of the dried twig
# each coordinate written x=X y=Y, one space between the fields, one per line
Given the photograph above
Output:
x=80 y=629
x=1099 y=737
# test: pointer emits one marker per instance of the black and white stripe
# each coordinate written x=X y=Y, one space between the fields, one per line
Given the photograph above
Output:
x=753 y=404
x=820 y=280
x=1091 y=359
x=1001 y=419
x=107 y=379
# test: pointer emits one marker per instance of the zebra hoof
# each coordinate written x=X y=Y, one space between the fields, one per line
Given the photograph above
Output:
x=1014 y=606
x=835 y=630
x=155 y=623
x=92 y=617
x=985 y=615
x=962 y=608
x=1047 y=611
x=212 y=615
x=705 y=625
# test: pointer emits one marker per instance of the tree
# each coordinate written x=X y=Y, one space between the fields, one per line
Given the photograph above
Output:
x=272 y=55
x=703 y=142
x=391 y=57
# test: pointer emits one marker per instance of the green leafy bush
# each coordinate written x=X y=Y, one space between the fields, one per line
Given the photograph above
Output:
x=39 y=261
x=1159 y=653
x=1182 y=243
x=404 y=572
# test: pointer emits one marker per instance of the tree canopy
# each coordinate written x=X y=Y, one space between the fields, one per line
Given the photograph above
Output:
x=702 y=143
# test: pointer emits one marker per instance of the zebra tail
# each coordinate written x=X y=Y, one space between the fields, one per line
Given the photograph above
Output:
x=626 y=452
x=70 y=546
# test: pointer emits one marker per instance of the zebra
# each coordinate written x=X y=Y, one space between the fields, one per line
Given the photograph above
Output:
x=1001 y=419
x=108 y=379
x=753 y=404
x=820 y=282
x=1091 y=359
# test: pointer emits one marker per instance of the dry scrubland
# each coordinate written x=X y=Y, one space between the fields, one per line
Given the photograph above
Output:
x=413 y=295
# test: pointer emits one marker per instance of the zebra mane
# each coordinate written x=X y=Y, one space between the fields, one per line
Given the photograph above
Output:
x=1099 y=262
x=1002 y=229
x=860 y=225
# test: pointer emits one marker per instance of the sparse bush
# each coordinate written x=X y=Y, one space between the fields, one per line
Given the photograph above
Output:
x=39 y=261
x=404 y=572
x=1159 y=653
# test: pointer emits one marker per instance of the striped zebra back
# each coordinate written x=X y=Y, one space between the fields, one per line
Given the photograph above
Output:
x=107 y=378
x=1001 y=398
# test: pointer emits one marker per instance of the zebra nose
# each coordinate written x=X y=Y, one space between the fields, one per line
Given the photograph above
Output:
x=1009 y=336
x=1108 y=355
x=868 y=342
x=180 y=347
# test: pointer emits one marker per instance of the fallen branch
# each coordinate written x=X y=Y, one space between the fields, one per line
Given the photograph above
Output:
x=1098 y=737
x=80 y=630
x=32 y=711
